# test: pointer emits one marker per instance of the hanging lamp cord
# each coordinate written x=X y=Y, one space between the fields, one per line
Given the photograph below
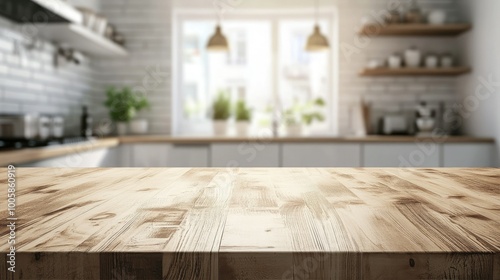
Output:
x=218 y=12
x=317 y=12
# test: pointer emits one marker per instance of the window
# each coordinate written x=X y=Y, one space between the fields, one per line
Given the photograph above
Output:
x=267 y=67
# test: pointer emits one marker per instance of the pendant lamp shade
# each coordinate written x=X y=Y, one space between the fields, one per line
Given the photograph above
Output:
x=218 y=42
x=317 y=42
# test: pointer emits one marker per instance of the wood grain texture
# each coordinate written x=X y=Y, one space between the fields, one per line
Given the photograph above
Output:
x=36 y=154
x=305 y=139
x=421 y=71
x=415 y=29
x=496 y=267
x=255 y=224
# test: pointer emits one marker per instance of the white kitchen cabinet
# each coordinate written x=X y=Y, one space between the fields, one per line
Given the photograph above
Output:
x=468 y=155
x=94 y=158
x=188 y=156
x=246 y=154
x=112 y=158
x=402 y=155
x=149 y=155
x=165 y=155
x=321 y=155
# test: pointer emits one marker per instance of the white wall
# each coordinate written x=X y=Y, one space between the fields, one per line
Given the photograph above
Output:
x=480 y=49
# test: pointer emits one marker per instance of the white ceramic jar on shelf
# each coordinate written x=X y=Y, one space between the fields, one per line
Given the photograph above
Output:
x=395 y=61
x=413 y=57
x=447 y=61
x=437 y=17
x=431 y=61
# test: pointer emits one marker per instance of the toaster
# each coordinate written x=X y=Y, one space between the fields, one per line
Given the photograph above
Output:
x=20 y=126
x=396 y=124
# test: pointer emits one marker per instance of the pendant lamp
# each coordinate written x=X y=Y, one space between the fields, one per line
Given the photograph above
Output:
x=218 y=42
x=317 y=41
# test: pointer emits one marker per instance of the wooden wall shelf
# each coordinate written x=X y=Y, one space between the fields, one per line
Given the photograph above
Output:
x=455 y=71
x=415 y=29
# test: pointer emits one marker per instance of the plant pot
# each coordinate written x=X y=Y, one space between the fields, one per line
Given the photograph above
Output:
x=294 y=130
x=139 y=126
x=220 y=128
x=242 y=128
x=121 y=128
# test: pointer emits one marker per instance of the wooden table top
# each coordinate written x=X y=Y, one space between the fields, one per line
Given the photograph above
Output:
x=256 y=211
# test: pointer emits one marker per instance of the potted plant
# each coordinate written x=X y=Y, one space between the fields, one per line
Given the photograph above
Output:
x=123 y=106
x=140 y=125
x=243 y=116
x=221 y=112
x=303 y=114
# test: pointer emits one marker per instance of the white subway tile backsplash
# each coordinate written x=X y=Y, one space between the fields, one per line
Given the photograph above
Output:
x=29 y=83
x=9 y=83
x=9 y=108
x=3 y=69
x=377 y=87
x=396 y=87
x=20 y=96
x=417 y=87
x=20 y=73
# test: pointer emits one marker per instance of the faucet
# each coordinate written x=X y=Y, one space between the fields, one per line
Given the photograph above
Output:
x=277 y=117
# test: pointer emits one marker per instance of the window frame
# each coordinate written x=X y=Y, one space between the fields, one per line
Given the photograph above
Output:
x=274 y=16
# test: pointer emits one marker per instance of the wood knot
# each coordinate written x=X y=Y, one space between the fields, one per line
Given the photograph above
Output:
x=412 y=262
x=38 y=256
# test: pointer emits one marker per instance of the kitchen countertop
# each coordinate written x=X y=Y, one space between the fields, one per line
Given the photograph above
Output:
x=304 y=139
x=36 y=154
x=255 y=223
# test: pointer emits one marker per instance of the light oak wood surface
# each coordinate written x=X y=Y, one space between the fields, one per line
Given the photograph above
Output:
x=420 y=71
x=407 y=29
x=255 y=224
x=36 y=154
x=305 y=139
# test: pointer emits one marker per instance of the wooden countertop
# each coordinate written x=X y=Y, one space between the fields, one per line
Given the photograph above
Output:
x=36 y=154
x=305 y=139
x=255 y=223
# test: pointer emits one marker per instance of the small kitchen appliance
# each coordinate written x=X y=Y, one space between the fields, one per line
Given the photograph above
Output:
x=18 y=126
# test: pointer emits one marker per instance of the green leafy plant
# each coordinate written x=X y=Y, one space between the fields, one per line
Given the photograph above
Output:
x=221 y=107
x=305 y=113
x=124 y=104
x=243 y=113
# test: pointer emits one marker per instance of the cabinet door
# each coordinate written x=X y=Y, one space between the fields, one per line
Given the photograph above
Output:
x=149 y=155
x=248 y=154
x=188 y=156
x=112 y=158
x=402 y=155
x=321 y=155
x=468 y=155
x=78 y=159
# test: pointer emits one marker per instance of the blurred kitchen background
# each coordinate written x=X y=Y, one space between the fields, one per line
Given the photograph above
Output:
x=411 y=83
